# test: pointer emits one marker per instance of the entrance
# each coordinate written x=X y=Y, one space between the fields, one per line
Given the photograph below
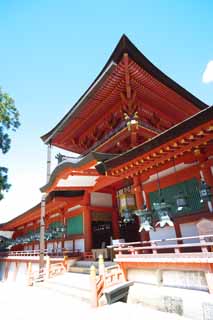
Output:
x=129 y=232
x=102 y=233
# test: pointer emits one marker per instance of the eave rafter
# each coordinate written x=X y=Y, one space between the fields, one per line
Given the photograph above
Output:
x=176 y=148
x=108 y=97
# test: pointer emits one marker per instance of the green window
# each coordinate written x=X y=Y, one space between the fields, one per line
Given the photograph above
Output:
x=190 y=189
x=75 y=225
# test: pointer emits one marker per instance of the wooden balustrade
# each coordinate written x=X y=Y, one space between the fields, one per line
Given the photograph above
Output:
x=204 y=244
x=51 y=270
x=108 y=277
x=69 y=253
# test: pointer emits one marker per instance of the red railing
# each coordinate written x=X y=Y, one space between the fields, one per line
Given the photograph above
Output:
x=69 y=253
x=205 y=244
x=107 y=278
x=51 y=270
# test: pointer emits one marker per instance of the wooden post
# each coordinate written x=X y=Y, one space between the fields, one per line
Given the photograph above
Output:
x=42 y=231
x=138 y=193
x=16 y=270
x=115 y=217
x=94 y=297
x=48 y=162
x=48 y=267
x=6 y=270
x=101 y=268
x=87 y=223
x=29 y=273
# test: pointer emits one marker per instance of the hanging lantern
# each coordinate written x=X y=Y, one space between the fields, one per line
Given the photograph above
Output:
x=128 y=216
x=36 y=236
x=47 y=235
x=205 y=192
x=181 y=202
x=145 y=216
x=163 y=209
x=56 y=232
x=127 y=205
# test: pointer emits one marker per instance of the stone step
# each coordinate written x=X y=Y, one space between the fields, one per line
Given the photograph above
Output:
x=88 y=264
x=79 y=270
x=75 y=286
x=74 y=293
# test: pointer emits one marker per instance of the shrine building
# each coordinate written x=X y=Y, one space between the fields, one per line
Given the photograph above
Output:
x=145 y=165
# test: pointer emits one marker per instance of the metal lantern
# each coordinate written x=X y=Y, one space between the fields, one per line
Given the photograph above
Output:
x=163 y=209
x=205 y=192
x=55 y=232
x=181 y=202
x=36 y=236
x=47 y=235
x=127 y=205
x=128 y=216
x=145 y=216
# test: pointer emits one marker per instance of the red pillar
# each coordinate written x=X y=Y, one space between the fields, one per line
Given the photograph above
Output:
x=63 y=221
x=138 y=193
x=87 y=222
x=115 y=217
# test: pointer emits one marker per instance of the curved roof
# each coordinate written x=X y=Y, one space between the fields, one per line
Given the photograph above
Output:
x=76 y=163
x=123 y=46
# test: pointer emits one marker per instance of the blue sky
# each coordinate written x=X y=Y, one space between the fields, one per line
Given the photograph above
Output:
x=52 y=50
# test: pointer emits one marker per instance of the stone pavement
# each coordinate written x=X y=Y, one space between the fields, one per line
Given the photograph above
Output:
x=18 y=302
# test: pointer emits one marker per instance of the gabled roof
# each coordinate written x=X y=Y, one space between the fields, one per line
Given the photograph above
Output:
x=123 y=46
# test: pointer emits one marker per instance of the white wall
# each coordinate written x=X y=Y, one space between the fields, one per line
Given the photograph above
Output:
x=79 y=245
x=68 y=244
x=163 y=233
x=189 y=230
x=36 y=246
x=50 y=247
x=99 y=199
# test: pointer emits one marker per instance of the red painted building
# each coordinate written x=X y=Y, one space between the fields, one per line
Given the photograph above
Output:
x=143 y=141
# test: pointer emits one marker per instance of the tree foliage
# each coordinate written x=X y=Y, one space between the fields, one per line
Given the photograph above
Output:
x=9 y=120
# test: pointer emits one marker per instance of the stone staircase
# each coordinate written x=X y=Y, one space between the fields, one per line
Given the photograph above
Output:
x=76 y=286
x=74 y=283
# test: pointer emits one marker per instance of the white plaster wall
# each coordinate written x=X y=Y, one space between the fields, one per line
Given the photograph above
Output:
x=99 y=199
x=163 y=233
x=143 y=276
x=11 y=272
x=59 y=246
x=185 y=279
x=22 y=273
x=68 y=244
x=189 y=230
x=50 y=247
x=36 y=246
x=79 y=245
